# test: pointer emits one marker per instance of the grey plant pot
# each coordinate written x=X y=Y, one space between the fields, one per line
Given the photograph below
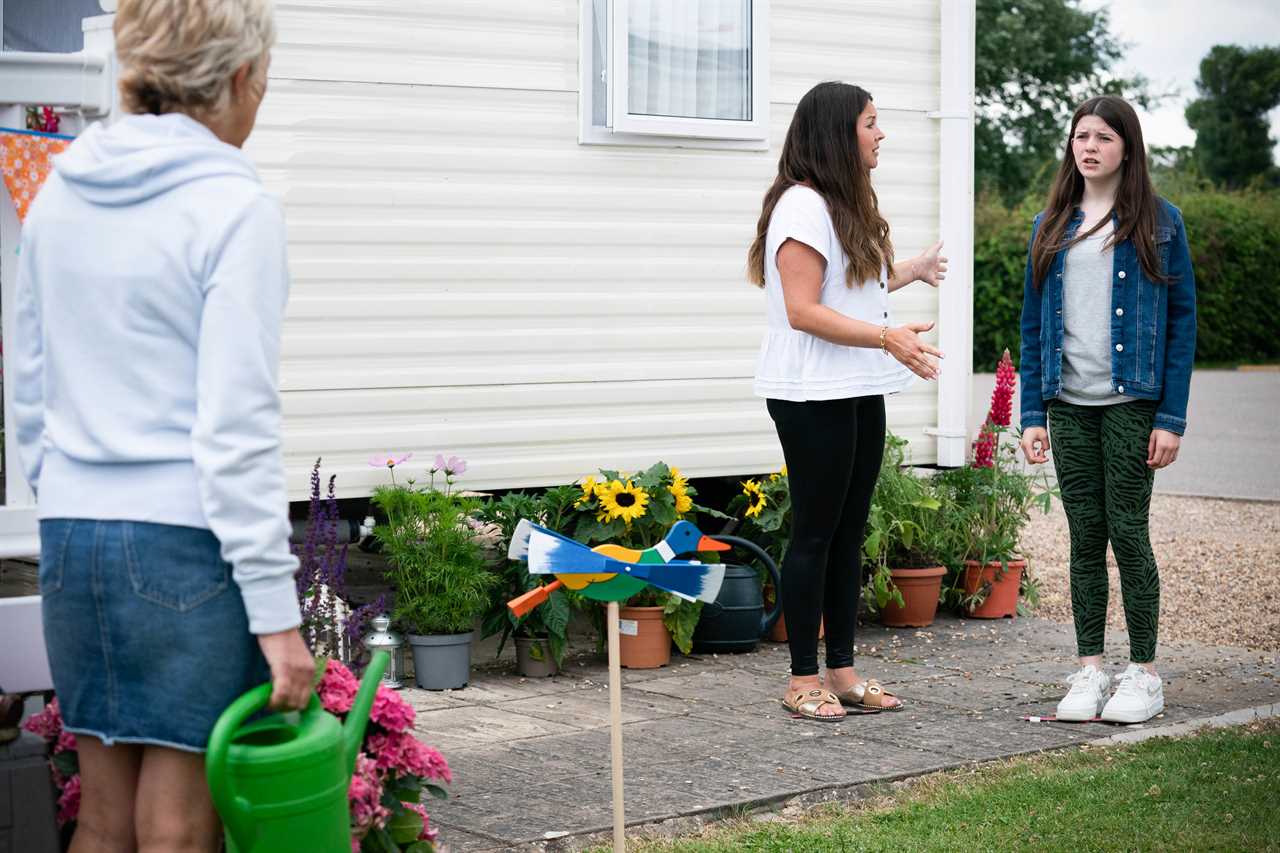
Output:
x=441 y=661
x=529 y=666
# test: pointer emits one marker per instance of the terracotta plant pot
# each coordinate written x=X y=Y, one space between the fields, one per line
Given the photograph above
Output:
x=919 y=588
x=778 y=633
x=645 y=642
x=1002 y=600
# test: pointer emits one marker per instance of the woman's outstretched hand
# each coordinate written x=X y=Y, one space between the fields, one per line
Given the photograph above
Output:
x=904 y=344
x=931 y=266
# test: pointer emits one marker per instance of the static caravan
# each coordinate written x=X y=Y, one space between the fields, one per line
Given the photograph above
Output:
x=517 y=231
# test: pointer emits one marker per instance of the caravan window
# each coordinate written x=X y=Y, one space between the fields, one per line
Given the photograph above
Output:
x=671 y=71
x=43 y=26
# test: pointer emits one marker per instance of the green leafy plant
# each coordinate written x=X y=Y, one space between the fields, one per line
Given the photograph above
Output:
x=551 y=619
x=987 y=503
x=763 y=509
x=636 y=511
x=902 y=527
x=435 y=560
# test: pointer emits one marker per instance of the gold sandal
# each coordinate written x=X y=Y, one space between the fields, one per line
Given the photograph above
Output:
x=805 y=703
x=868 y=694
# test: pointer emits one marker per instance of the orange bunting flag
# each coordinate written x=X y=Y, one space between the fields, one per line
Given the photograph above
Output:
x=26 y=159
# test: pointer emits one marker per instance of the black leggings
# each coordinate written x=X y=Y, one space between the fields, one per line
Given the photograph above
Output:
x=833 y=450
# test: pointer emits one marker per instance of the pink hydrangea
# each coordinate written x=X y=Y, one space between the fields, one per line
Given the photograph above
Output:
x=337 y=688
x=390 y=711
x=48 y=723
x=421 y=760
x=428 y=832
x=69 y=801
x=365 y=795
x=66 y=741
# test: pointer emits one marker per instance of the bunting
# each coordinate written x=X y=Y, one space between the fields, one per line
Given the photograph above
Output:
x=26 y=157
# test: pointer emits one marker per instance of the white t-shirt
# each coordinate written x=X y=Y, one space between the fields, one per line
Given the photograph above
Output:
x=798 y=366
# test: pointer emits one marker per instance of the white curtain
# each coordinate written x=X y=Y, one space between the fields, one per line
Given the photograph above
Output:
x=689 y=58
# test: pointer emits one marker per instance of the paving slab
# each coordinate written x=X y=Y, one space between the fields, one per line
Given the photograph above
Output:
x=707 y=735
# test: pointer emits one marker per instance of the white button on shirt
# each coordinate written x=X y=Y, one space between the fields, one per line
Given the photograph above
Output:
x=797 y=366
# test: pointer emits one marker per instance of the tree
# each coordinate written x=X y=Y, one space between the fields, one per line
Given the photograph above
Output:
x=1036 y=61
x=1238 y=87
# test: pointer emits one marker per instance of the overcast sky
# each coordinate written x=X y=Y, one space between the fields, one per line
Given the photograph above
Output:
x=1168 y=38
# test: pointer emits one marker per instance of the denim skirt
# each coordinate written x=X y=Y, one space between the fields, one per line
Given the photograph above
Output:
x=147 y=635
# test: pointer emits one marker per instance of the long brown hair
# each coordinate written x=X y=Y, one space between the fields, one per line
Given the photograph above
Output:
x=821 y=150
x=1136 y=206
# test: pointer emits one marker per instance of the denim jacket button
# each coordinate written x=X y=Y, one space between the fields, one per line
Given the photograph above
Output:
x=1120 y=389
x=1119 y=347
x=1121 y=273
x=1119 y=312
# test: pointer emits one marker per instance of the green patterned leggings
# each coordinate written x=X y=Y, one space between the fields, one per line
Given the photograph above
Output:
x=1100 y=455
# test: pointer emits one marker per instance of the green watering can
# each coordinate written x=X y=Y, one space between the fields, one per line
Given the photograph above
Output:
x=281 y=786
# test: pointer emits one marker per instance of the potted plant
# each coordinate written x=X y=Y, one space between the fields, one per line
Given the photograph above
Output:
x=988 y=503
x=636 y=511
x=902 y=543
x=540 y=635
x=438 y=570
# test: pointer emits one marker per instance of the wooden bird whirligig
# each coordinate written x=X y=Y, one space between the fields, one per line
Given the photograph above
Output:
x=612 y=573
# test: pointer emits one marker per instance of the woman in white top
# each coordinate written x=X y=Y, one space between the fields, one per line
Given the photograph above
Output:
x=823 y=255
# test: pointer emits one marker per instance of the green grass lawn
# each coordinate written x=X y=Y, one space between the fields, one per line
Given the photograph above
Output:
x=1216 y=791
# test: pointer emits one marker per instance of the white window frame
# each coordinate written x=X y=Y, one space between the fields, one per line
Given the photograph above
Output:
x=666 y=131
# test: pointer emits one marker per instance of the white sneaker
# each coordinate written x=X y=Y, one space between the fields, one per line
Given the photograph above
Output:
x=1139 y=697
x=1087 y=695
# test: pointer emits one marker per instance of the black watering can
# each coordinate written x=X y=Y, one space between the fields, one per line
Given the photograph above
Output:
x=737 y=620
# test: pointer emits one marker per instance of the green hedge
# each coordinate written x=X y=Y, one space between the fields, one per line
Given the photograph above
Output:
x=1235 y=247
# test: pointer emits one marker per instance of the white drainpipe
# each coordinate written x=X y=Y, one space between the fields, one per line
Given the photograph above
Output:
x=956 y=197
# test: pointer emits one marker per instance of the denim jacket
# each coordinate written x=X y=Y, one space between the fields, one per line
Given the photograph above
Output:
x=1153 y=326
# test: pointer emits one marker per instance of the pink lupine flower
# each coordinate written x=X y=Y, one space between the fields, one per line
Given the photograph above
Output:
x=389 y=460
x=69 y=801
x=390 y=711
x=337 y=688
x=1002 y=397
x=984 y=448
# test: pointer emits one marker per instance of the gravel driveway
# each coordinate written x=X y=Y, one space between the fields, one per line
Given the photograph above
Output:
x=1219 y=570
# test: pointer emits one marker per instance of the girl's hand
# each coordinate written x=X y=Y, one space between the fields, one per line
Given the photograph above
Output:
x=1162 y=448
x=1035 y=445
x=931 y=267
x=904 y=344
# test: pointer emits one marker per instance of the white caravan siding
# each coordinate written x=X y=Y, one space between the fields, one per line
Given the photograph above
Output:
x=468 y=278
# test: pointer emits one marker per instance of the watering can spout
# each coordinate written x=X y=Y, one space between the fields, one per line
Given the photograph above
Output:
x=358 y=718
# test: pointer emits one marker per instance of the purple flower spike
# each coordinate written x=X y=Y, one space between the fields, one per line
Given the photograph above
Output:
x=388 y=460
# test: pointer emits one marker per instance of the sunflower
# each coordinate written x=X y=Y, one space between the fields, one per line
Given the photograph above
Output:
x=679 y=490
x=618 y=500
x=588 y=492
x=756 y=496
x=773 y=478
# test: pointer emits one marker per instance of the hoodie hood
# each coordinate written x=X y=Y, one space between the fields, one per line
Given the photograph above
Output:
x=143 y=156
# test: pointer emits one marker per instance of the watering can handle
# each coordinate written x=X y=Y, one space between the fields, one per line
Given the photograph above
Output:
x=234 y=810
x=769 y=619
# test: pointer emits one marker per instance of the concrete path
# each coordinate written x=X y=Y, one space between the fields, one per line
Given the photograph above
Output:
x=706 y=736
x=1230 y=449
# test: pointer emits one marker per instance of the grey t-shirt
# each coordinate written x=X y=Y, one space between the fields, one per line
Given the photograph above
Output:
x=1086 y=323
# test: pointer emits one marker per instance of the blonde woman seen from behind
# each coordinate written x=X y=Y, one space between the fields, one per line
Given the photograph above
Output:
x=151 y=287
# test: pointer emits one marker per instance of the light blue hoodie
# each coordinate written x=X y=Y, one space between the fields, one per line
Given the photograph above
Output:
x=152 y=282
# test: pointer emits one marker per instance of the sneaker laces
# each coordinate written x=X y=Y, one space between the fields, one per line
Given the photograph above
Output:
x=1081 y=680
x=1133 y=680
